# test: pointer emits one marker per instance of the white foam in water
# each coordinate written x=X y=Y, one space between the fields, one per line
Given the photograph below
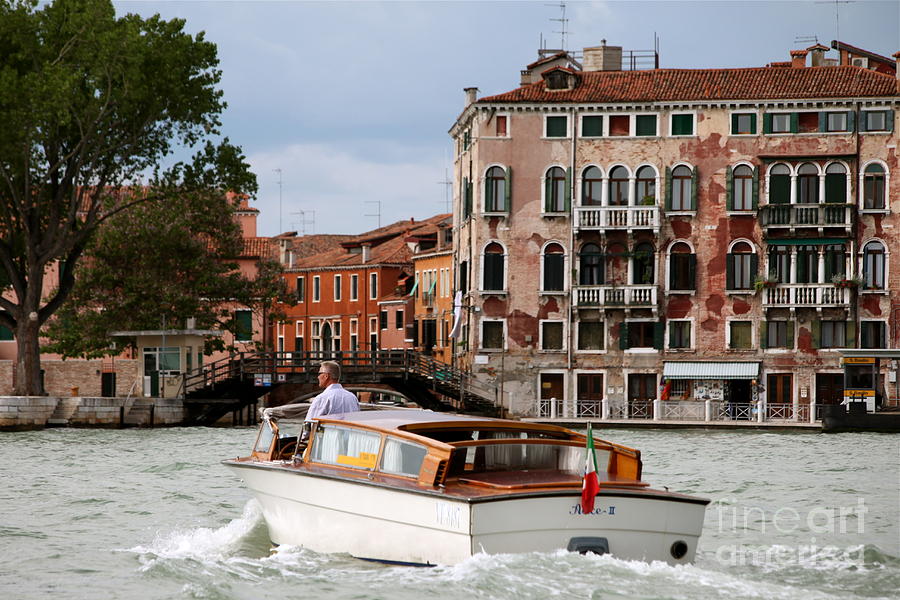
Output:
x=203 y=543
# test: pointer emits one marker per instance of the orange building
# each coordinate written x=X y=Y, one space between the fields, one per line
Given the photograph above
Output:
x=348 y=298
x=433 y=290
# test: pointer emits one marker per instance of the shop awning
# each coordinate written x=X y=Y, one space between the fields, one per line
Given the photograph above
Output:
x=710 y=370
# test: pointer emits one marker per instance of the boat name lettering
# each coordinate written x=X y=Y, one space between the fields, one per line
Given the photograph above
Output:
x=609 y=510
x=448 y=515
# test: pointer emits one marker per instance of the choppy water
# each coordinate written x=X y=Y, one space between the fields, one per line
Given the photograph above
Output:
x=151 y=514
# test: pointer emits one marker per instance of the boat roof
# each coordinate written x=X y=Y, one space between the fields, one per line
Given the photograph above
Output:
x=410 y=420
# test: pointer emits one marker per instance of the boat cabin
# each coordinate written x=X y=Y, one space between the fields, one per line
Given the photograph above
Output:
x=437 y=449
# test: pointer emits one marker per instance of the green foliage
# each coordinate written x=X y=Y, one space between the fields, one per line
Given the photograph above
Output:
x=89 y=105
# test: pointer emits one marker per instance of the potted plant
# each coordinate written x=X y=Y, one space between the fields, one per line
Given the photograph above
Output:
x=767 y=281
x=842 y=281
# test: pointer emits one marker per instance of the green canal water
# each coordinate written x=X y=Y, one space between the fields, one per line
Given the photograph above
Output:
x=151 y=514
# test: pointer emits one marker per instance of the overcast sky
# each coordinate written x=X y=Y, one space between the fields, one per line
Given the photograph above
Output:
x=352 y=101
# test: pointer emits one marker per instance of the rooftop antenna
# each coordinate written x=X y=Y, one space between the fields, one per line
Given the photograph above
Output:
x=448 y=184
x=837 y=14
x=378 y=208
x=564 y=23
x=280 y=230
x=303 y=222
x=806 y=39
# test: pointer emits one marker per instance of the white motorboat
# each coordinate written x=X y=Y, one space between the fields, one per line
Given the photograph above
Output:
x=424 y=488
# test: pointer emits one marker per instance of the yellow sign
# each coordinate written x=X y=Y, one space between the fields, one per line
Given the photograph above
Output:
x=853 y=360
x=365 y=460
x=858 y=393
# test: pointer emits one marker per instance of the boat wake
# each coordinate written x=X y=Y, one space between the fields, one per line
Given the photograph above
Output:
x=233 y=560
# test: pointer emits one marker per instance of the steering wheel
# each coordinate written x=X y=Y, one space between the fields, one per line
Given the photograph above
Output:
x=286 y=452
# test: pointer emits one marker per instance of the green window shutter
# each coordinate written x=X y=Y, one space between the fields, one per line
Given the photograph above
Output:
x=658 y=335
x=729 y=187
x=862 y=122
x=729 y=271
x=795 y=122
x=6 y=334
x=734 y=123
x=823 y=121
x=623 y=336
x=243 y=320
x=851 y=120
x=850 y=342
x=755 y=186
x=668 y=188
x=753 y=123
x=767 y=123
x=548 y=191
x=754 y=267
x=592 y=126
x=568 y=191
x=692 y=270
x=469 y=194
x=507 y=201
x=763 y=334
x=488 y=205
x=790 y=334
x=816 y=332
x=889 y=118
x=695 y=180
x=645 y=125
x=465 y=197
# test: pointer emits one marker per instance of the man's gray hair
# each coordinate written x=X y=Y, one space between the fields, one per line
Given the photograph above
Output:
x=332 y=368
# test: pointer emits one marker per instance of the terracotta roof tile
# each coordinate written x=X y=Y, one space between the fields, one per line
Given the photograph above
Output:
x=258 y=247
x=662 y=85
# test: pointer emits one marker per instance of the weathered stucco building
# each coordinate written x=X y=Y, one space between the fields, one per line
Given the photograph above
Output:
x=625 y=237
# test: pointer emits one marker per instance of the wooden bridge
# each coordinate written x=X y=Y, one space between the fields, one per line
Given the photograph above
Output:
x=233 y=383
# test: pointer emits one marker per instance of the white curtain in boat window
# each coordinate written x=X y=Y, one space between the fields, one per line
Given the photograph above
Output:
x=402 y=458
x=362 y=442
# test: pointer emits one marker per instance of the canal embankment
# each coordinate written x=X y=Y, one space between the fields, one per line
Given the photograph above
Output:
x=39 y=412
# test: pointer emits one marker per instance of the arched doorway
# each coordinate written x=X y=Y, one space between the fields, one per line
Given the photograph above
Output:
x=327 y=341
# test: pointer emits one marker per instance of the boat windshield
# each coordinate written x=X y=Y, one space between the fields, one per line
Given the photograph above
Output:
x=518 y=456
x=266 y=435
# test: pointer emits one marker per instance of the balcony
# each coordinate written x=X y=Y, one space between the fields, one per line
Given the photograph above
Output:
x=806 y=295
x=621 y=218
x=616 y=296
x=790 y=217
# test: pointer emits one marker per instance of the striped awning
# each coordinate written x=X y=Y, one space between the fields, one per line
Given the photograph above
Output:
x=710 y=370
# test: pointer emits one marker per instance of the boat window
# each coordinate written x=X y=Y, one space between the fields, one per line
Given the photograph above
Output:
x=512 y=456
x=402 y=457
x=346 y=447
x=266 y=435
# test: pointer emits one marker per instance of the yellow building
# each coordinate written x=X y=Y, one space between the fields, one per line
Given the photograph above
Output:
x=433 y=293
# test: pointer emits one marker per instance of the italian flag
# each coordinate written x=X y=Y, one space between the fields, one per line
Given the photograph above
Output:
x=590 y=484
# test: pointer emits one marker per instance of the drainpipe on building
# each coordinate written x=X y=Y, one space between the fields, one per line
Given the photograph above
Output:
x=574 y=196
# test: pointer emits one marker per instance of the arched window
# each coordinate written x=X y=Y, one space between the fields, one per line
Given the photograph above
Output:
x=682 y=267
x=618 y=186
x=779 y=184
x=495 y=190
x=835 y=184
x=643 y=264
x=740 y=267
x=553 y=268
x=555 y=190
x=807 y=184
x=873 y=266
x=591 y=187
x=743 y=188
x=645 y=186
x=591 y=268
x=494 y=267
x=873 y=187
x=681 y=188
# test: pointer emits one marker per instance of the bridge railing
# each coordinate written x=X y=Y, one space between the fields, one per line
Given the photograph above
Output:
x=277 y=366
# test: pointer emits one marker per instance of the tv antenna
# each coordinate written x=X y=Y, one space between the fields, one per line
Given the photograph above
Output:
x=303 y=222
x=448 y=184
x=378 y=208
x=563 y=24
x=280 y=230
x=806 y=39
x=837 y=14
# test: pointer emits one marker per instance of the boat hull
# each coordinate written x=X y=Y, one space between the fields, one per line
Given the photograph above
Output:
x=380 y=522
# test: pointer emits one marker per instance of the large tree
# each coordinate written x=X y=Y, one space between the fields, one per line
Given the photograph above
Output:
x=158 y=264
x=89 y=105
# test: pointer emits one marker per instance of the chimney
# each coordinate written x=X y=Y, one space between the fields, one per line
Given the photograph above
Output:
x=602 y=58
x=817 y=55
x=471 y=94
x=366 y=252
x=896 y=57
x=798 y=59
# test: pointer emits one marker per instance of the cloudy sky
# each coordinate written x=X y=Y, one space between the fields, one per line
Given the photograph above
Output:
x=352 y=101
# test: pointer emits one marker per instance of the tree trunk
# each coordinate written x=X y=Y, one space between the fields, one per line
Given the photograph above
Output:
x=28 y=360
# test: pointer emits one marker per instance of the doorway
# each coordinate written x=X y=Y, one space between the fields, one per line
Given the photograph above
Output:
x=829 y=388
